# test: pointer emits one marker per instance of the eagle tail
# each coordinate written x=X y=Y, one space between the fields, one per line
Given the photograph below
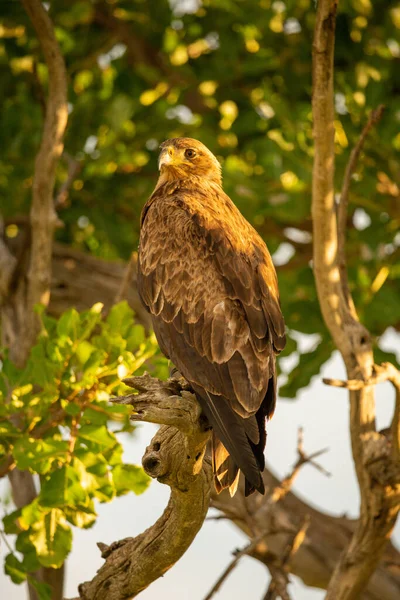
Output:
x=232 y=448
x=226 y=472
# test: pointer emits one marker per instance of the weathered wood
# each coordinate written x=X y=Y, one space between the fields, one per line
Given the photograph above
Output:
x=175 y=458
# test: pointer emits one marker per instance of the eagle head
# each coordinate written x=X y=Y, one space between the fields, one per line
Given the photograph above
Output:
x=185 y=157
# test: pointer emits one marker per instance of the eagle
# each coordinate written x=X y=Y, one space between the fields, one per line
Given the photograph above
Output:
x=208 y=281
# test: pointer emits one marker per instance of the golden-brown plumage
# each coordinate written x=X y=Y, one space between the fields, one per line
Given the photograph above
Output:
x=209 y=283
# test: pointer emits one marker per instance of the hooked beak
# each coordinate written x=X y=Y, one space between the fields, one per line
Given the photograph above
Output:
x=166 y=158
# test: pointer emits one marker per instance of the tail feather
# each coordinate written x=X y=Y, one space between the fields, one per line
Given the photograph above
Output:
x=226 y=472
x=229 y=429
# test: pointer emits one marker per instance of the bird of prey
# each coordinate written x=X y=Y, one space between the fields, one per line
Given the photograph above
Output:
x=208 y=281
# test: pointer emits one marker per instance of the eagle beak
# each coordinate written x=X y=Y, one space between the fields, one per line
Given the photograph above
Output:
x=166 y=157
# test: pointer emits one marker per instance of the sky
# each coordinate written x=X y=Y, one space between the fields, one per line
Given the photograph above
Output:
x=323 y=413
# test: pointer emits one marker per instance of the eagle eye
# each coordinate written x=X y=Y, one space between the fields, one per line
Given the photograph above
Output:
x=190 y=153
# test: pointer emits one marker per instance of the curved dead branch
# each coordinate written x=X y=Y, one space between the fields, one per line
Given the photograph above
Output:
x=174 y=457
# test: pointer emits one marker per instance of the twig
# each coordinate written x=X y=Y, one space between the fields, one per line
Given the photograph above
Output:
x=381 y=373
x=74 y=167
x=42 y=215
x=131 y=267
x=238 y=555
x=279 y=575
x=373 y=119
x=281 y=490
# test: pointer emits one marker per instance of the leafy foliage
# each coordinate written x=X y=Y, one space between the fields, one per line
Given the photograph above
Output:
x=56 y=422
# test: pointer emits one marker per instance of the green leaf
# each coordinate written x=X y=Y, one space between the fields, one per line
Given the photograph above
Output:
x=82 y=518
x=310 y=364
x=83 y=351
x=63 y=488
x=10 y=522
x=53 y=489
x=24 y=545
x=52 y=539
x=30 y=514
x=14 y=568
x=120 y=318
x=98 y=436
x=130 y=478
x=38 y=455
x=68 y=324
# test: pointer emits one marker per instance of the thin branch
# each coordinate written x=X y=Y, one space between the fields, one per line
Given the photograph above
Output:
x=238 y=555
x=74 y=168
x=279 y=575
x=126 y=282
x=42 y=215
x=285 y=485
x=381 y=373
x=373 y=119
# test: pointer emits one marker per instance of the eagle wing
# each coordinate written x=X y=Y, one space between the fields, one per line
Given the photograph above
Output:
x=208 y=281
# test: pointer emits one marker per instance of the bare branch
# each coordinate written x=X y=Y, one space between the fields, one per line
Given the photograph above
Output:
x=175 y=457
x=279 y=574
x=247 y=550
x=74 y=168
x=126 y=282
x=285 y=485
x=42 y=215
x=373 y=119
x=381 y=373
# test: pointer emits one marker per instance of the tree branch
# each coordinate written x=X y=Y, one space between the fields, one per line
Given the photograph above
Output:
x=373 y=119
x=379 y=503
x=246 y=551
x=74 y=168
x=42 y=215
x=279 y=573
x=175 y=457
x=130 y=272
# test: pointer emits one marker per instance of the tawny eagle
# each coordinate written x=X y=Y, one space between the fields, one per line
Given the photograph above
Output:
x=207 y=279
